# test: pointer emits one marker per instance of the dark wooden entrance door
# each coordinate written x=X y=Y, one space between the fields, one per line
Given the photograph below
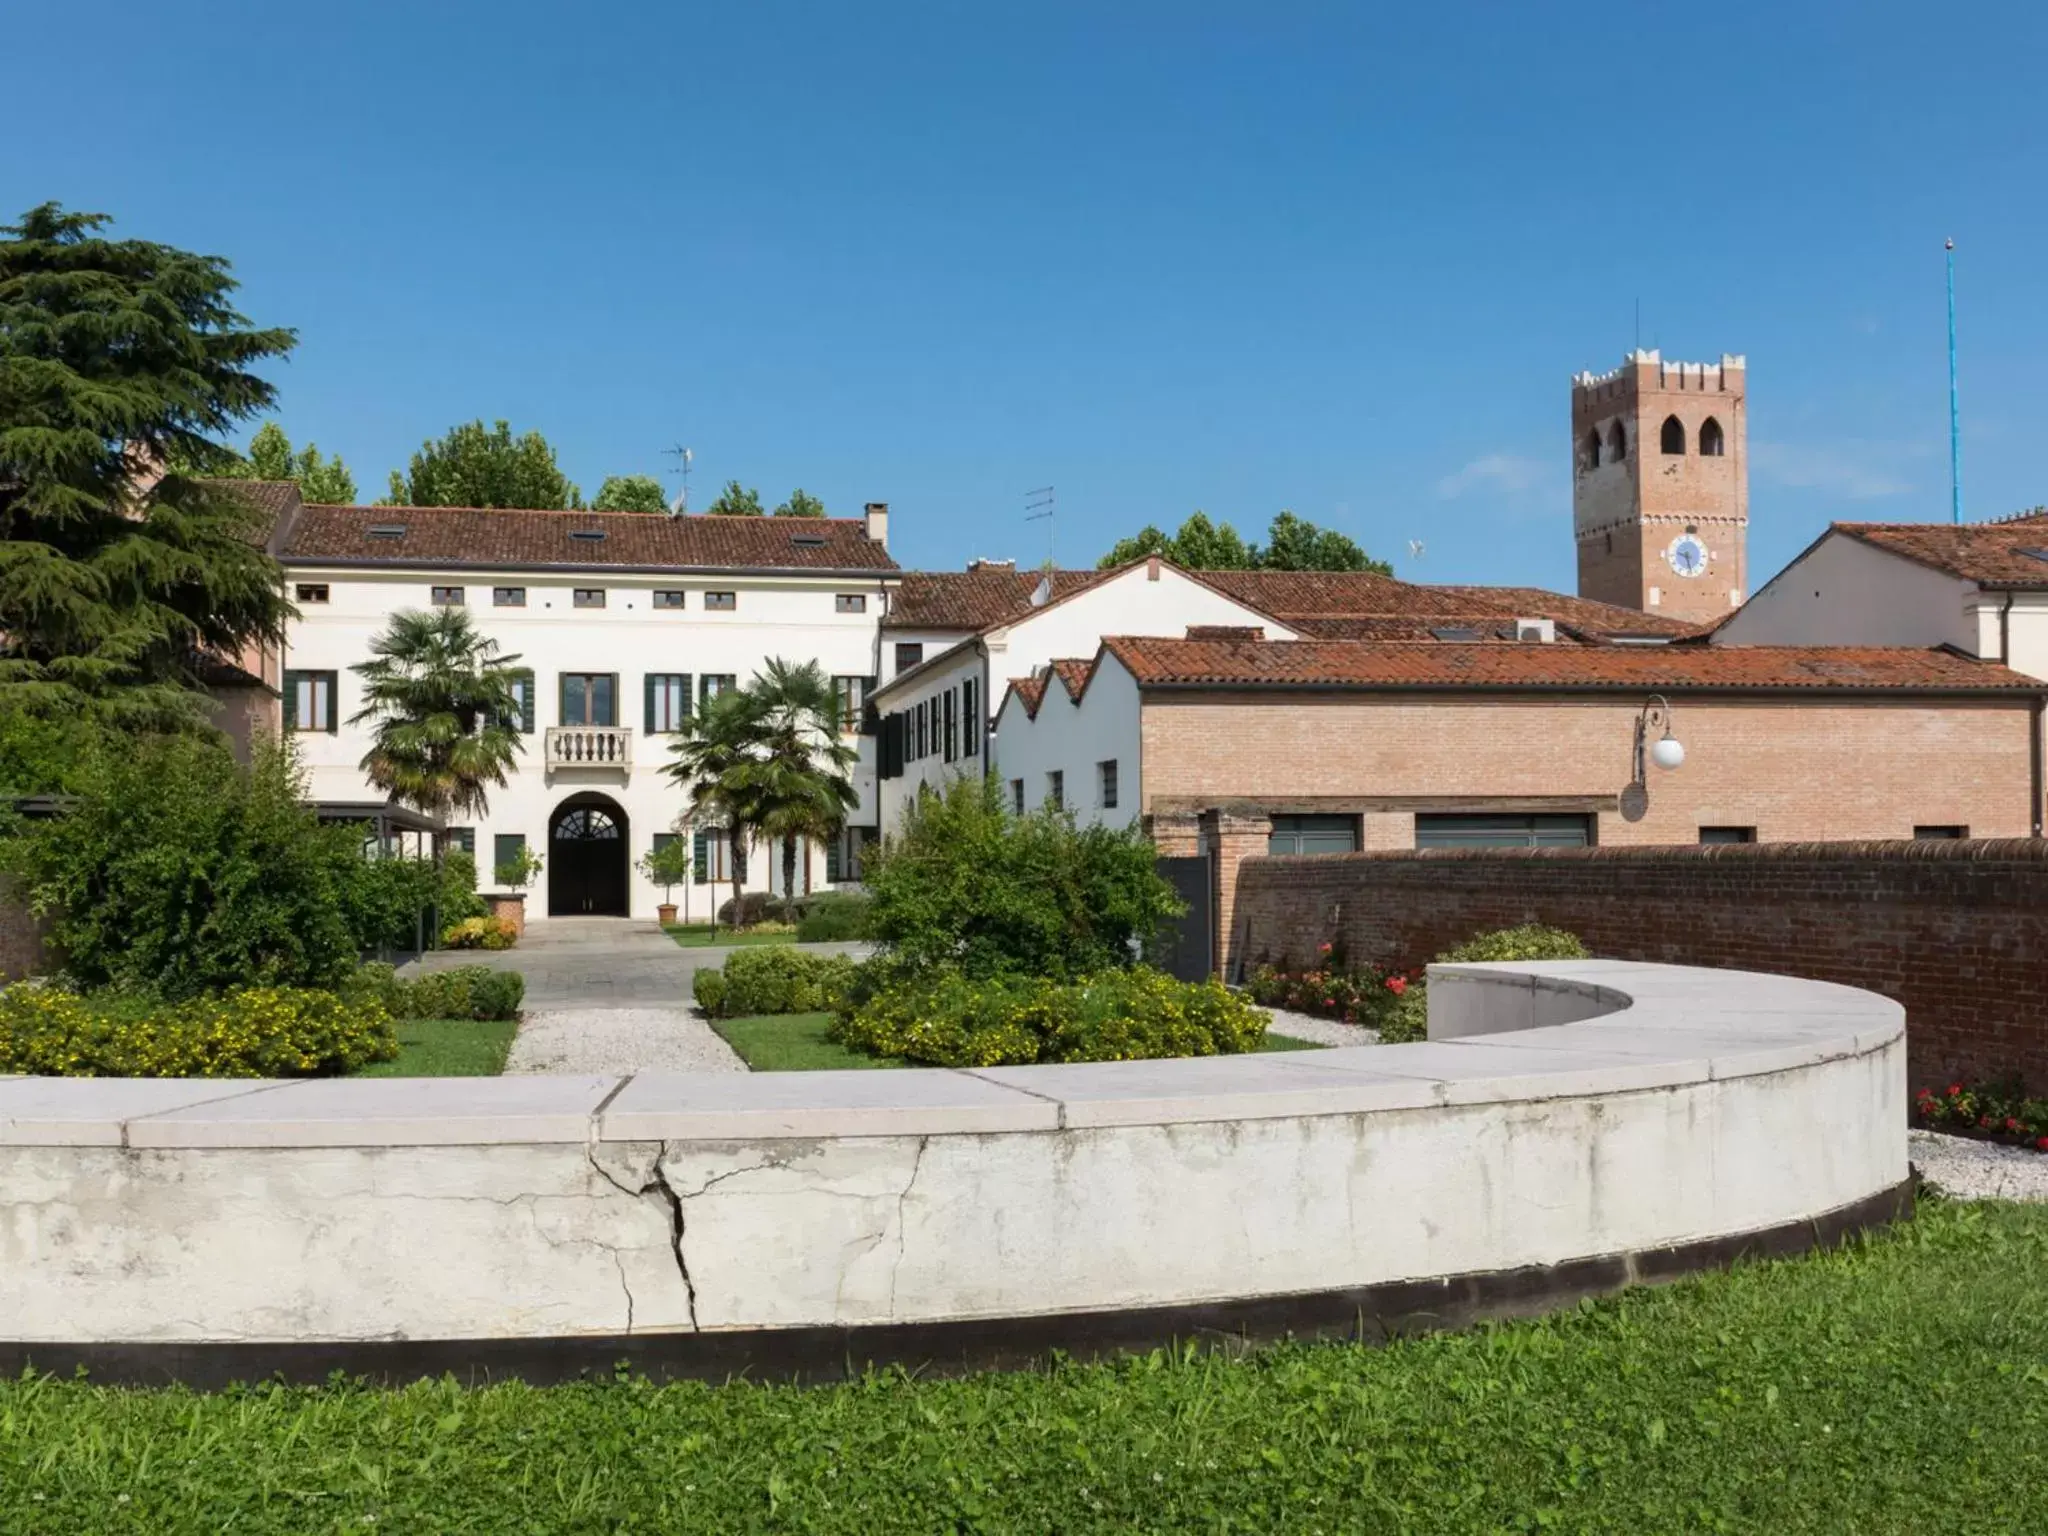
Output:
x=1183 y=946
x=587 y=861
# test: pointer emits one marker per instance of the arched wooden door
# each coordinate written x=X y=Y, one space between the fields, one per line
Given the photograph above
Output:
x=587 y=859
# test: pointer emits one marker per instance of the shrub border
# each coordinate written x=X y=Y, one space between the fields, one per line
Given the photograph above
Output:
x=1371 y=1314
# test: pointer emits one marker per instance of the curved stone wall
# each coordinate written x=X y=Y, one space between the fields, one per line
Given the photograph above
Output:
x=1568 y=1127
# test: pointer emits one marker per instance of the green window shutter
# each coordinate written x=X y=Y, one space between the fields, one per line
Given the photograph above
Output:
x=527 y=706
x=562 y=699
x=687 y=707
x=647 y=694
x=291 y=701
x=832 y=875
x=700 y=856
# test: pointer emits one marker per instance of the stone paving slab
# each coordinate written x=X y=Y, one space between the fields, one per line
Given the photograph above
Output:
x=622 y=1040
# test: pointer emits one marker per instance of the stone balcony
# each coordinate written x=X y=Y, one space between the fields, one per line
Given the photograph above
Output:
x=589 y=746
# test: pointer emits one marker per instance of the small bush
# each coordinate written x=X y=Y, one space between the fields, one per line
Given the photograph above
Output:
x=951 y=1020
x=754 y=907
x=773 y=979
x=1352 y=994
x=254 y=1032
x=834 y=916
x=466 y=992
x=481 y=933
x=1995 y=1111
x=1410 y=1018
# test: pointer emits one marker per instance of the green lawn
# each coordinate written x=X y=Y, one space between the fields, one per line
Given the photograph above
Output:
x=702 y=936
x=1899 y=1385
x=795 y=1042
x=1274 y=1042
x=447 y=1048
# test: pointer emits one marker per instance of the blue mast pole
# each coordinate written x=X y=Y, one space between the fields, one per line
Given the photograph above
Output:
x=1955 y=437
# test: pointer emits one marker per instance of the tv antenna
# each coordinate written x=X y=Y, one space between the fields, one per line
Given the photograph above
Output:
x=1038 y=507
x=682 y=456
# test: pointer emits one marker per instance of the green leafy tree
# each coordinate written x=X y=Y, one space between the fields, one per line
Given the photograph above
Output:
x=477 y=466
x=1292 y=544
x=118 y=357
x=630 y=493
x=803 y=785
x=736 y=500
x=713 y=759
x=320 y=480
x=1295 y=544
x=801 y=503
x=445 y=721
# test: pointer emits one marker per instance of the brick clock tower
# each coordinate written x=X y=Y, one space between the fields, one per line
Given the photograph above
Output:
x=1660 y=486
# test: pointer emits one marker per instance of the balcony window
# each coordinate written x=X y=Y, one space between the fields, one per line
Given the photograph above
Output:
x=721 y=602
x=590 y=698
x=309 y=701
x=508 y=597
x=589 y=597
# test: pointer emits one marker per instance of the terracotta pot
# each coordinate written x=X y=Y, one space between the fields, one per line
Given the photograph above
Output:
x=665 y=912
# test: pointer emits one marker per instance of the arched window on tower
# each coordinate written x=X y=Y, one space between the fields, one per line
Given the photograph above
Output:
x=1590 y=449
x=1711 y=441
x=1673 y=437
x=1617 y=443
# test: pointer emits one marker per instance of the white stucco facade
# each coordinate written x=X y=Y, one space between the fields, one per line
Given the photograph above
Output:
x=1091 y=743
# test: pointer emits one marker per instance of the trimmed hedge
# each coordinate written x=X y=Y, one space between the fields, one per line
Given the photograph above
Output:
x=1409 y=1020
x=835 y=916
x=254 y=1032
x=776 y=978
x=466 y=992
x=951 y=1020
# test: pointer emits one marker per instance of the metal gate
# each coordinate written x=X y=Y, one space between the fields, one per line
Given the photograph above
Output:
x=1185 y=946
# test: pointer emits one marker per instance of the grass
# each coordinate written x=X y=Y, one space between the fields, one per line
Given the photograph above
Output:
x=795 y=1042
x=447 y=1048
x=704 y=936
x=1896 y=1385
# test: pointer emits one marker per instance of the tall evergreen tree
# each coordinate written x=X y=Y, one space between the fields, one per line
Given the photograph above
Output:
x=119 y=357
x=472 y=465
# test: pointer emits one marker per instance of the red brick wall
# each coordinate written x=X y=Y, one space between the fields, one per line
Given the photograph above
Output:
x=1957 y=932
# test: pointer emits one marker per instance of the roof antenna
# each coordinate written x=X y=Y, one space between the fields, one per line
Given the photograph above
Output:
x=682 y=456
x=1038 y=507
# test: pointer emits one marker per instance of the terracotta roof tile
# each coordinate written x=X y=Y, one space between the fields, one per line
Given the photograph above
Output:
x=2011 y=553
x=1581 y=613
x=970 y=600
x=1487 y=628
x=1326 y=602
x=483 y=536
x=1073 y=672
x=1353 y=664
x=274 y=500
x=1030 y=689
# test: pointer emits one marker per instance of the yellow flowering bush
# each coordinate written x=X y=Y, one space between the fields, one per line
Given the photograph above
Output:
x=950 y=1020
x=480 y=933
x=251 y=1032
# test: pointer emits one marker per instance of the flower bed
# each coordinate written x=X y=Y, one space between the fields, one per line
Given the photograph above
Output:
x=1997 y=1111
x=253 y=1032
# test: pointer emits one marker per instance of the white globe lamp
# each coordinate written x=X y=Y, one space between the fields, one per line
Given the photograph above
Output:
x=1668 y=751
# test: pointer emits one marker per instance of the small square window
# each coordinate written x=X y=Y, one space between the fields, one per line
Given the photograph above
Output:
x=312 y=591
x=909 y=653
x=668 y=599
x=850 y=602
x=463 y=838
x=590 y=597
x=447 y=597
x=508 y=597
x=721 y=602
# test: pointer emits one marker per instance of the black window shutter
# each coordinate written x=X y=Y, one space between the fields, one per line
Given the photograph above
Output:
x=832 y=875
x=291 y=701
x=562 y=698
x=685 y=706
x=647 y=689
x=526 y=706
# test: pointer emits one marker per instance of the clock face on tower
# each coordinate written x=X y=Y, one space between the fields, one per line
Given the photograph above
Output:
x=1687 y=555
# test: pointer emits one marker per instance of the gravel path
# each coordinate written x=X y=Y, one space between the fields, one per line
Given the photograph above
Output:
x=1978 y=1170
x=619 y=1040
x=1306 y=1026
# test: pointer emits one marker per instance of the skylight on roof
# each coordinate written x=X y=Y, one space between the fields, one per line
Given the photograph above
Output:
x=587 y=535
x=1457 y=632
x=387 y=530
x=2035 y=554
x=808 y=540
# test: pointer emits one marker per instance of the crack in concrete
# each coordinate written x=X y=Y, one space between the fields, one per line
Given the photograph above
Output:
x=902 y=1219
x=658 y=1187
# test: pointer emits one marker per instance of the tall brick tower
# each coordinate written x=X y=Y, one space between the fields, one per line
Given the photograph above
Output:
x=1660 y=485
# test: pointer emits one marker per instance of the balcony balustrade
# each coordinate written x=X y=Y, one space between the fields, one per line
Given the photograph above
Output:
x=589 y=746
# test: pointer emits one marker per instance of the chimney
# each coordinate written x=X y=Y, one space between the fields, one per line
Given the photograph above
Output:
x=1151 y=567
x=876 y=515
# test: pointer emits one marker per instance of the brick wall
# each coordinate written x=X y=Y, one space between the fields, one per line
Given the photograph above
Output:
x=1957 y=932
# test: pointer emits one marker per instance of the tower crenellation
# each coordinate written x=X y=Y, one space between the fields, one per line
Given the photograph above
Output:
x=1660 y=484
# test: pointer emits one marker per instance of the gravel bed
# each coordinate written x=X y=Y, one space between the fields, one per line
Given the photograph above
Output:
x=619 y=1040
x=1978 y=1170
x=1306 y=1026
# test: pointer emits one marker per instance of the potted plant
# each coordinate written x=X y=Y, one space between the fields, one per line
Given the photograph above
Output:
x=517 y=873
x=668 y=866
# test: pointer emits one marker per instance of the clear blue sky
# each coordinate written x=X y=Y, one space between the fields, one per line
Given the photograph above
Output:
x=1336 y=258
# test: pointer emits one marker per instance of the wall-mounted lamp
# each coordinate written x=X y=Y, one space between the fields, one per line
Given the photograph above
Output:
x=1667 y=751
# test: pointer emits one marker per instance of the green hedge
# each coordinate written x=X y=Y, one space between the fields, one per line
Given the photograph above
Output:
x=466 y=992
x=776 y=978
x=255 y=1032
x=1532 y=941
x=836 y=915
x=952 y=1020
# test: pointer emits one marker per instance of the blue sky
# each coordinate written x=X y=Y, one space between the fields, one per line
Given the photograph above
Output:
x=1342 y=259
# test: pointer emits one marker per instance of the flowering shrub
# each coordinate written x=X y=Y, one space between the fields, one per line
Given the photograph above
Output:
x=1356 y=994
x=481 y=933
x=254 y=1032
x=466 y=992
x=775 y=978
x=1997 y=1111
x=951 y=1020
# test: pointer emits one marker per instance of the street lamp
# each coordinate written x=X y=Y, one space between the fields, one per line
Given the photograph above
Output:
x=1667 y=751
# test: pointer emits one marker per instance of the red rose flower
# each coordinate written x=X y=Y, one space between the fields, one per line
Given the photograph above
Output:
x=2011 y=1124
x=1397 y=985
x=2042 y=1143
x=1955 y=1090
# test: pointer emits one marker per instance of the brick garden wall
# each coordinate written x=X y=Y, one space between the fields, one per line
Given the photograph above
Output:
x=1957 y=932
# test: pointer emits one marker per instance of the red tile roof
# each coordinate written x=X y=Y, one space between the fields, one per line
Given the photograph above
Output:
x=1582 y=613
x=1073 y=672
x=1031 y=690
x=275 y=502
x=971 y=600
x=1352 y=664
x=2010 y=553
x=1332 y=602
x=483 y=536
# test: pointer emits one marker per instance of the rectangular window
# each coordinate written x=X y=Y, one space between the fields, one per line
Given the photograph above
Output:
x=1313 y=834
x=309 y=701
x=463 y=838
x=850 y=602
x=889 y=747
x=312 y=591
x=1056 y=789
x=721 y=602
x=446 y=597
x=1105 y=773
x=506 y=848
x=713 y=684
x=589 y=597
x=711 y=856
x=1449 y=831
x=522 y=695
x=909 y=653
x=508 y=597
x=1710 y=835
x=1939 y=834
x=668 y=702
x=970 y=718
x=668 y=599
x=590 y=698
x=852 y=693
x=951 y=712
x=1017 y=796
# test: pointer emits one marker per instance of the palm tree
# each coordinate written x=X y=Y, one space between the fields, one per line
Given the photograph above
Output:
x=803 y=788
x=446 y=718
x=716 y=757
